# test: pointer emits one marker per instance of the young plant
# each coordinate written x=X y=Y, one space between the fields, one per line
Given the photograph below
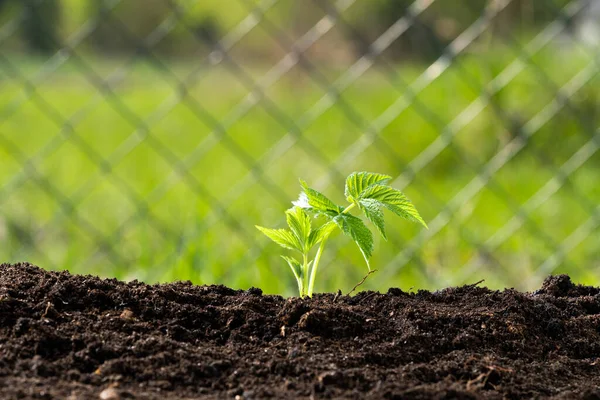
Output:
x=368 y=192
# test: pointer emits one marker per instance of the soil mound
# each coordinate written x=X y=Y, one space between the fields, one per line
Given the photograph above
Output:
x=73 y=337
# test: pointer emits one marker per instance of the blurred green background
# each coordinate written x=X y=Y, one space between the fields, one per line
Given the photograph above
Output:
x=144 y=139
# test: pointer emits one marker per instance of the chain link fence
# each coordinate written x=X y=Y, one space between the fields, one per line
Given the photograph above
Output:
x=145 y=139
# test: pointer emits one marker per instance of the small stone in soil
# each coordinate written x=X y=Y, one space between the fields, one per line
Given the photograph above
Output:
x=127 y=315
x=110 y=394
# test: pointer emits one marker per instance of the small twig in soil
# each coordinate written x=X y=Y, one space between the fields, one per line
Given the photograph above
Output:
x=337 y=295
x=48 y=305
x=476 y=283
x=483 y=378
x=361 y=282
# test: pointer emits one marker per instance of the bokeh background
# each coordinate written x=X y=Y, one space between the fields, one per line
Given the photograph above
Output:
x=145 y=138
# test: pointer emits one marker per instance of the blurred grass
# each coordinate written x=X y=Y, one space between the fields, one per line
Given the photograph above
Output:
x=69 y=209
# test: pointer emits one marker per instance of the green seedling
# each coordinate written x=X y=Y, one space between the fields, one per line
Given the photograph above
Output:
x=365 y=191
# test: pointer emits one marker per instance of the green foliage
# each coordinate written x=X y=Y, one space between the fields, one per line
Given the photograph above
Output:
x=372 y=210
x=299 y=223
x=313 y=200
x=357 y=182
x=367 y=191
x=392 y=199
x=282 y=237
x=354 y=227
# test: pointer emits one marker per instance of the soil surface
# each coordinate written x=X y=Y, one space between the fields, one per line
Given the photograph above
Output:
x=74 y=337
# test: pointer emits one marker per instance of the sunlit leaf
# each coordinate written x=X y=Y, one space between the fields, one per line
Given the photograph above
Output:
x=296 y=268
x=372 y=210
x=295 y=265
x=355 y=228
x=322 y=232
x=282 y=237
x=357 y=182
x=312 y=199
x=299 y=222
x=395 y=201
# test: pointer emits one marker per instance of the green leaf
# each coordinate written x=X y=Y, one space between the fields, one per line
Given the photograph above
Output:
x=320 y=233
x=395 y=201
x=372 y=210
x=299 y=222
x=295 y=265
x=312 y=199
x=357 y=182
x=357 y=230
x=282 y=237
x=296 y=268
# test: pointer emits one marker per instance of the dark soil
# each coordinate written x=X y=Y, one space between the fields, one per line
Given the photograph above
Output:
x=79 y=337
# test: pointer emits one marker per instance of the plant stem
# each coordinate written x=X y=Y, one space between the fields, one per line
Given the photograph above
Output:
x=313 y=272
x=303 y=291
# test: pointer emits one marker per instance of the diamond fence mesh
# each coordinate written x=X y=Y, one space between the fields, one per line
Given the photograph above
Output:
x=146 y=138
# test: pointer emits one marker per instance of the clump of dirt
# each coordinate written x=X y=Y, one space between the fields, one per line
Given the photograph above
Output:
x=73 y=337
